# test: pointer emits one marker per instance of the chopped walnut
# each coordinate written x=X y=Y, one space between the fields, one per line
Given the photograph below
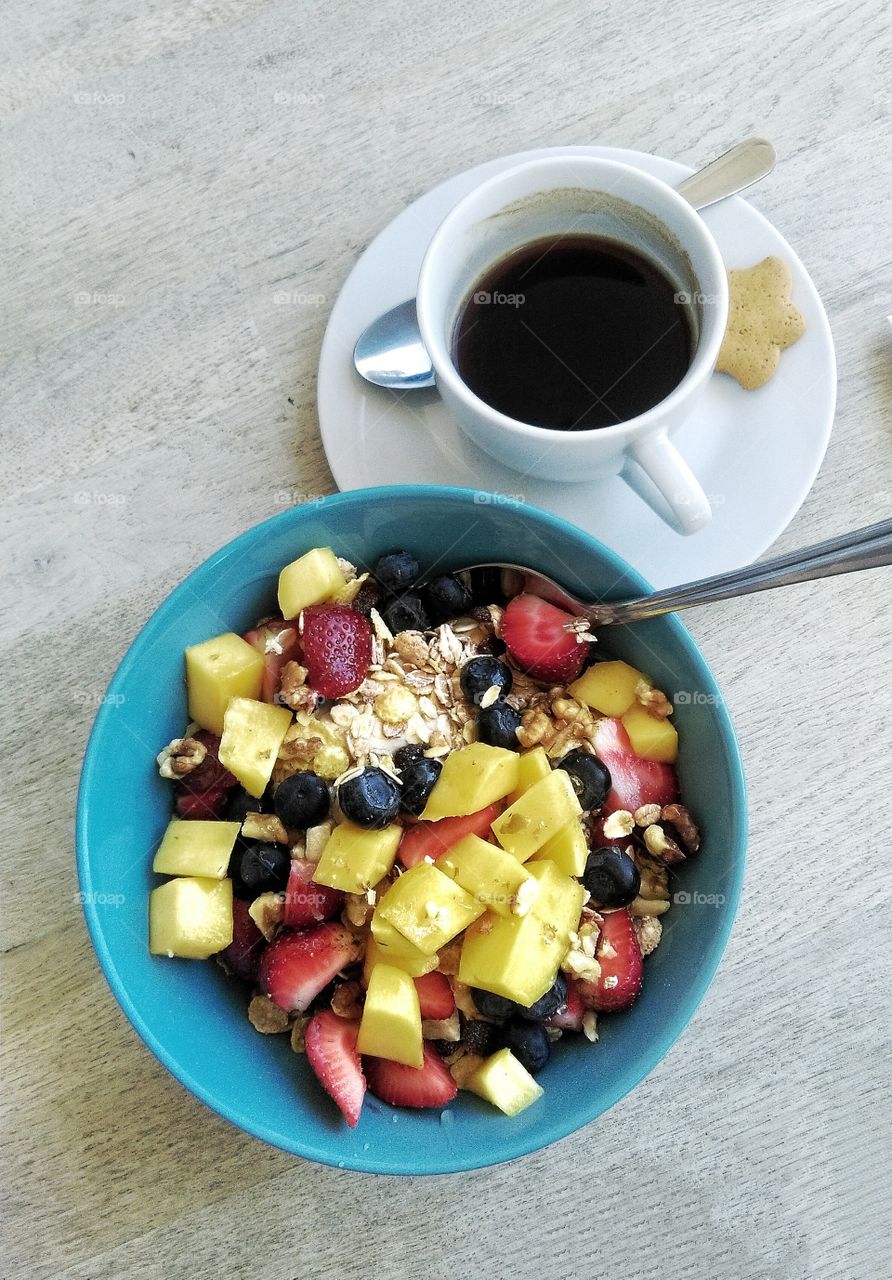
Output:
x=264 y=826
x=535 y=726
x=450 y=957
x=299 y=1031
x=648 y=907
x=654 y=877
x=317 y=839
x=684 y=826
x=647 y=815
x=648 y=930
x=653 y=700
x=357 y=909
x=464 y=1001
x=266 y=1017
x=464 y=1067
x=268 y=912
x=180 y=757
x=618 y=824
x=442 y=1028
x=662 y=846
x=346 y=1001
x=293 y=689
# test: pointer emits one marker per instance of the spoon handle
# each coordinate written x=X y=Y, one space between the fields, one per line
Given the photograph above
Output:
x=732 y=171
x=867 y=548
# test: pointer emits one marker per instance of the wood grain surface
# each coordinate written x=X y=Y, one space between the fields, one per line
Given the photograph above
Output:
x=168 y=170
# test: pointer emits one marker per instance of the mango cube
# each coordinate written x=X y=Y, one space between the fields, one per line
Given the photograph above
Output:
x=495 y=878
x=609 y=687
x=505 y=1082
x=428 y=908
x=190 y=916
x=196 y=848
x=651 y=738
x=311 y=579
x=388 y=946
x=533 y=766
x=472 y=778
x=518 y=956
x=391 y=1018
x=252 y=735
x=568 y=850
x=355 y=859
x=539 y=814
x=217 y=670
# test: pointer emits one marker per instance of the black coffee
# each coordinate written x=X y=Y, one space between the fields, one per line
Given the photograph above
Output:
x=573 y=333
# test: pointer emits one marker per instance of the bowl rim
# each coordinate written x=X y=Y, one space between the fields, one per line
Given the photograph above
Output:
x=522 y=1142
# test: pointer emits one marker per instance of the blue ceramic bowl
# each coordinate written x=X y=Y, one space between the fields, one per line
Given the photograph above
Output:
x=193 y=1018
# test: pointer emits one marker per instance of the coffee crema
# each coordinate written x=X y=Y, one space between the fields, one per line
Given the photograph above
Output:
x=572 y=333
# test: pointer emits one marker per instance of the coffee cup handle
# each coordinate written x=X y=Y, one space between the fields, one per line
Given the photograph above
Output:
x=666 y=468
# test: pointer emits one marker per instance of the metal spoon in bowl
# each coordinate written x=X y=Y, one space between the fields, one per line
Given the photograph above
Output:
x=867 y=548
x=390 y=352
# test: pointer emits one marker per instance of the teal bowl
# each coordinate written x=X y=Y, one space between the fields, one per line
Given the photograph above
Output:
x=193 y=1018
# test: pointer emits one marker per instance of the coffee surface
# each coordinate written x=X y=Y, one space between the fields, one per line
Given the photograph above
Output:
x=573 y=333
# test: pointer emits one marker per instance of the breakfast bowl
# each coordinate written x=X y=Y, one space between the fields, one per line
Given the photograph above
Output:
x=193 y=1019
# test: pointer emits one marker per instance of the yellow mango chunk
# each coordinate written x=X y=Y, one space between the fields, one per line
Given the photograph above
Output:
x=393 y=948
x=428 y=908
x=391 y=1018
x=609 y=687
x=518 y=956
x=196 y=848
x=252 y=735
x=354 y=858
x=568 y=850
x=311 y=579
x=652 y=739
x=472 y=778
x=491 y=875
x=533 y=766
x=217 y=670
x=190 y=916
x=505 y=1082
x=539 y=814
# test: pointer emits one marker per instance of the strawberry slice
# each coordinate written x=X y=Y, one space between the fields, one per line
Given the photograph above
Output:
x=570 y=1017
x=337 y=648
x=622 y=968
x=201 y=804
x=308 y=903
x=634 y=781
x=433 y=839
x=279 y=643
x=429 y=1085
x=435 y=996
x=331 y=1052
x=296 y=966
x=534 y=632
x=242 y=957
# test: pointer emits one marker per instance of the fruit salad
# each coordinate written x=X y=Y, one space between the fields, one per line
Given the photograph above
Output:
x=426 y=822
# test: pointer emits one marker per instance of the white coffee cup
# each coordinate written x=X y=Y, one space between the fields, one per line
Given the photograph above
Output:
x=564 y=194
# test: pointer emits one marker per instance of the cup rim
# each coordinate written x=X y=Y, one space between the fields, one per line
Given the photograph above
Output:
x=701 y=365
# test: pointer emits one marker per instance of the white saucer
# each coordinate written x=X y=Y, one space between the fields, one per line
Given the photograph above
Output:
x=756 y=453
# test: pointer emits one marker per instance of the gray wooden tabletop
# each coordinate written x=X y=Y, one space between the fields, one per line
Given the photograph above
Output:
x=168 y=169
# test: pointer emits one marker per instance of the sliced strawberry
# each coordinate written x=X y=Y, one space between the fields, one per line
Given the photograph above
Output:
x=279 y=643
x=308 y=903
x=535 y=634
x=622 y=968
x=331 y=1051
x=337 y=648
x=429 y=1085
x=433 y=839
x=242 y=957
x=634 y=781
x=296 y=966
x=435 y=996
x=570 y=1017
x=201 y=804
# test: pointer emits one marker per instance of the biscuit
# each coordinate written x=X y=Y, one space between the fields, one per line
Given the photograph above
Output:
x=762 y=322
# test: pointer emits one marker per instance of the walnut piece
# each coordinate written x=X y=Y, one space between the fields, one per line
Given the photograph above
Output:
x=653 y=700
x=534 y=727
x=684 y=826
x=293 y=689
x=648 y=930
x=180 y=757
x=450 y=957
x=618 y=824
x=442 y=1028
x=647 y=815
x=299 y=1031
x=347 y=1001
x=268 y=912
x=464 y=1067
x=264 y=826
x=266 y=1017
x=661 y=846
x=357 y=909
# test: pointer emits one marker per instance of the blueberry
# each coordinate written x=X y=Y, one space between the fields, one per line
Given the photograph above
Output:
x=302 y=800
x=397 y=570
x=257 y=867
x=418 y=779
x=481 y=674
x=446 y=598
x=406 y=755
x=497 y=725
x=529 y=1043
x=590 y=777
x=241 y=803
x=493 y=1006
x=370 y=798
x=611 y=877
x=543 y=1008
x=407 y=613
x=480 y=1037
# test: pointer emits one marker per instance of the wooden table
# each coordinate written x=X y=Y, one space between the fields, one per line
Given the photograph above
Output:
x=169 y=169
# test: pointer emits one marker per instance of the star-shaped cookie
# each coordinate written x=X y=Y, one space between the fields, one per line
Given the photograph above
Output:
x=762 y=322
